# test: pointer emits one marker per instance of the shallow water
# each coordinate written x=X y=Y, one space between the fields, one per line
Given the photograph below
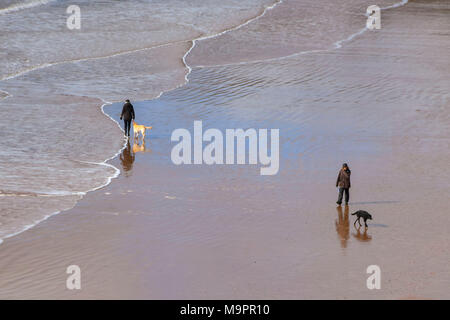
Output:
x=54 y=81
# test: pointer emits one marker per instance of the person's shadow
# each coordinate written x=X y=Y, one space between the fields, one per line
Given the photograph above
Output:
x=363 y=237
x=343 y=225
x=127 y=159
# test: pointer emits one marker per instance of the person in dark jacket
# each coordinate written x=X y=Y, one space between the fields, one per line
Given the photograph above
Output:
x=127 y=115
x=343 y=182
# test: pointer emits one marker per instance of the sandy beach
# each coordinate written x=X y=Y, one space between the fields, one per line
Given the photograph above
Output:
x=150 y=229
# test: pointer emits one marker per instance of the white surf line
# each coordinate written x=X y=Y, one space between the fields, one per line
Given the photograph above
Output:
x=104 y=163
x=76 y=193
x=221 y=33
x=337 y=45
x=29 y=226
x=50 y=64
x=41 y=194
x=193 y=42
x=395 y=5
x=36 y=222
x=23 y=6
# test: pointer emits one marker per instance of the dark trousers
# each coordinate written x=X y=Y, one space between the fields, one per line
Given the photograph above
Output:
x=341 y=194
x=127 y=124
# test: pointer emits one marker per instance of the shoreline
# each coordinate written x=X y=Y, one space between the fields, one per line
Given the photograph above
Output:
x=336 y=45
x=104 y=163
x=24 y=6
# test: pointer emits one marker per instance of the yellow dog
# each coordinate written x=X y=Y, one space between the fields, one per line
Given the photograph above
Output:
x=139 y=128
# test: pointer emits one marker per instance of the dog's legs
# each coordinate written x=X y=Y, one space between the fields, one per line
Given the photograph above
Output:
x=359 y=221
x=365 y=223
x=355 y=223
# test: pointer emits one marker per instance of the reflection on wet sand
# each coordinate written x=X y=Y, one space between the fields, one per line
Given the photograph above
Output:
x=363 y=237
x=343 y=225
x=129 y=154
x=127 y=159
x=140 y=147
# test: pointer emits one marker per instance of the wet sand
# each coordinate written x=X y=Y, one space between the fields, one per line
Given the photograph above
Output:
x=53 y=82
x=161 y=231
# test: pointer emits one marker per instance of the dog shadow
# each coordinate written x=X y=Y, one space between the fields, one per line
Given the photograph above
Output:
x=342 y=224
x=362 y=237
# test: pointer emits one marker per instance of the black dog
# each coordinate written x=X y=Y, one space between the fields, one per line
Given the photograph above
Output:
x=362 y=214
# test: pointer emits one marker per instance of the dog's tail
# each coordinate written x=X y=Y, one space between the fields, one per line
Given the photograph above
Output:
x=148 y=127
x=354 y=213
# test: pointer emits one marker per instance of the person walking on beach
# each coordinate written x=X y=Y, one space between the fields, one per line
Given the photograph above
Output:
x=343 y=182
x=127 y=115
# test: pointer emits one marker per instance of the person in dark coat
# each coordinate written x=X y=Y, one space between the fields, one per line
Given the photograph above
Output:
x=127 y=115
x=343 y=182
